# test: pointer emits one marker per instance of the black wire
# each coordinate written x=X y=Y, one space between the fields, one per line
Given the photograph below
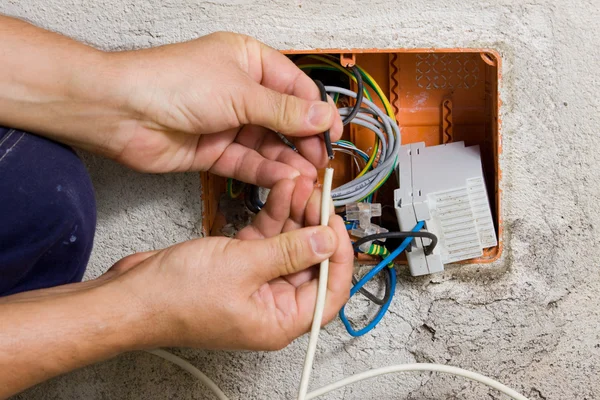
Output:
x=371 y=296
x=252 y=199
x=326 y=134
x=353 y=112
x=400 y=235
x=359 y=95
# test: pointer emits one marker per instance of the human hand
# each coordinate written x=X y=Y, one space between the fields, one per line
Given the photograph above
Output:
x=210 y=104
x=213 y=104
x=257 y=291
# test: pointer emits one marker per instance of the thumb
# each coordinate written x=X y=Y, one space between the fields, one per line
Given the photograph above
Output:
x=287 y=114
x=288 y=252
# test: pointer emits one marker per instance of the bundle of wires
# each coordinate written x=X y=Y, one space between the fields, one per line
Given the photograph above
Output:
x=379 y=165
x=388 y=134
x=389 y=294
x=382 y=161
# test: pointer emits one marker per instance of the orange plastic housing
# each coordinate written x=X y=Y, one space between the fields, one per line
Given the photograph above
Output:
x=438 y=96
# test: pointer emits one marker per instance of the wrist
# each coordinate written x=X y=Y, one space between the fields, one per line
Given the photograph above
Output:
x=98 y=117
x=136 y=325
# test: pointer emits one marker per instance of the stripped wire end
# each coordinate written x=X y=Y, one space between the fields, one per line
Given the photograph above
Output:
x=328 y=145
x=287 y=142
x=326 y=135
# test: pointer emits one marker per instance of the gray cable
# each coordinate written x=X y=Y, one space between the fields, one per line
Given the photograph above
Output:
x=385 y=159
x=386 y=129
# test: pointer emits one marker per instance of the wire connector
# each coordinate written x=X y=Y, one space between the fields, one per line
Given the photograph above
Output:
x=371 y=230
x=363 y=212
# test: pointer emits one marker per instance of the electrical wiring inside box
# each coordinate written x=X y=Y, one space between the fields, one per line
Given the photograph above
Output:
x=416 y=171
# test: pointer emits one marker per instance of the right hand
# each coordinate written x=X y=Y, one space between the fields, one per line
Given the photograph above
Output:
x=257 y=291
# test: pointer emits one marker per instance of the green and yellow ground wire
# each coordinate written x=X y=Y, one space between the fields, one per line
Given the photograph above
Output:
x=230 y=190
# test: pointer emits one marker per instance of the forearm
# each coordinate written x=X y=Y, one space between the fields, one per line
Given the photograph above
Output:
x=57 y=87
x=45 y=336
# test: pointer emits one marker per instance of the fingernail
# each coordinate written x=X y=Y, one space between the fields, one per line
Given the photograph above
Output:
x=319 y=114
x=322 y=241
x=294 y=174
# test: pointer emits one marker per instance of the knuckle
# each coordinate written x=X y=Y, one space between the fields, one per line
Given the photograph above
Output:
x=222 y=35
x=278 y=344
x=290 y=251
x=277 y=104
x=288 y=112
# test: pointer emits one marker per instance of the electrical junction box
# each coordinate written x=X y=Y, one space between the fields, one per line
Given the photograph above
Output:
x=440 y=97
x=444 y=187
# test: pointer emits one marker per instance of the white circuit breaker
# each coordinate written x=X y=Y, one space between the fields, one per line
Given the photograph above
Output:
x=444 y=187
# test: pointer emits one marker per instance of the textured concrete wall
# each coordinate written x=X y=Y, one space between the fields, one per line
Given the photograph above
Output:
x=532 y=321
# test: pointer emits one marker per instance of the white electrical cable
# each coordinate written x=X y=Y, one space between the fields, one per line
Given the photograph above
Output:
x=355 y=378
x=192 y=370
x=321 y=292
x=418 y=367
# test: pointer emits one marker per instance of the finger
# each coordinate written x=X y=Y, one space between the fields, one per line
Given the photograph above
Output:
x=338 y=283
x=247 y=165
x=313 y=208
x=280 y=112
x=280 y=74
x=277 y=72
x=210 y=148
x=312 y=217
x=305 y=211
x=271 y=219
x=341 y=263
x=301 y=202
x=283 y=212
x=313 y=147
x=341 y=266
x=270 y=146
x=300 y=278
x=286 y=253
x=303 y=191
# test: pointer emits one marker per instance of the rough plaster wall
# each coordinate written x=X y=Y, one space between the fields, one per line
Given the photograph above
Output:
x=532 y=320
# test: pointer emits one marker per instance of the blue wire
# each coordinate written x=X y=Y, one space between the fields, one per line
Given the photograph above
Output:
x=386 y=261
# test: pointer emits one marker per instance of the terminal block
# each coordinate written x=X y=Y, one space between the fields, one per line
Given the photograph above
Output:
x=444 y=187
